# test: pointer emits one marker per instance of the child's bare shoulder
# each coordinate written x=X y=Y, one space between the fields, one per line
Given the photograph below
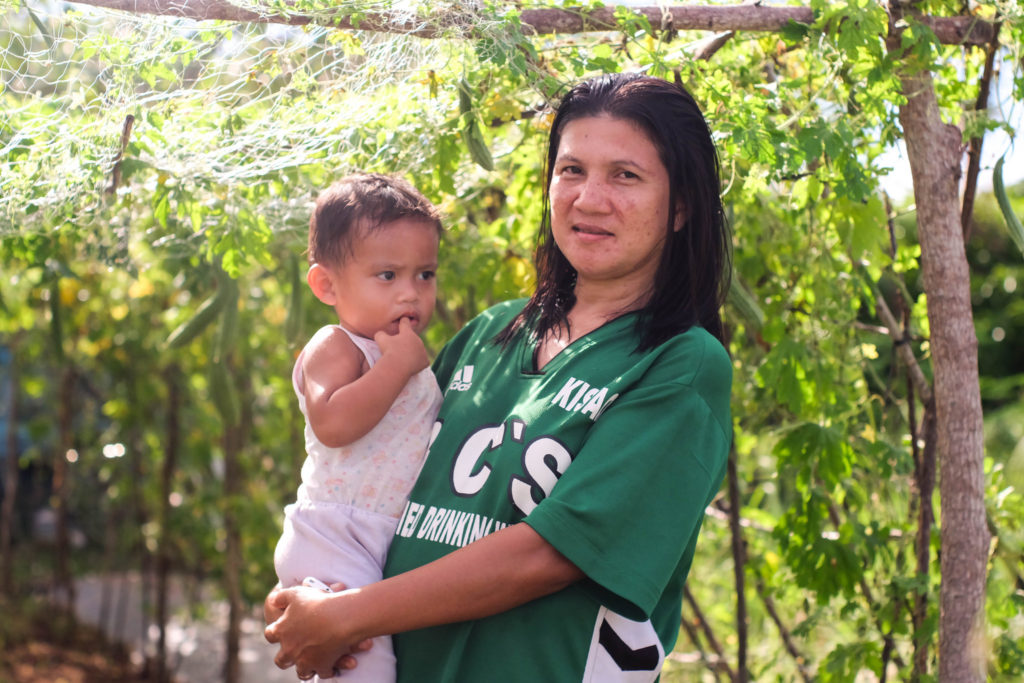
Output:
x=329 y=336
x=332 y=353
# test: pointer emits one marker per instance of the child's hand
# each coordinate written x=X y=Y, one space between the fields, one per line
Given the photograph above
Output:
x=405 y=349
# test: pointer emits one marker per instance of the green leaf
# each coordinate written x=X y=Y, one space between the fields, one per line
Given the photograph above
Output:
x=794 y=32
x=161 y=208
x=783 y=374
x=1012 y=221
x=819 y=448
x=39 y=25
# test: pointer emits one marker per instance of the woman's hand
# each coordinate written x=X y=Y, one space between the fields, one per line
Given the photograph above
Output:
x=508 y=568
x=301 y=620
x=271 y=612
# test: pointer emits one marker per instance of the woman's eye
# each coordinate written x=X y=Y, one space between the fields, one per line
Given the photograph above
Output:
x=571 y=169
x=629 y=175
x=387 y=275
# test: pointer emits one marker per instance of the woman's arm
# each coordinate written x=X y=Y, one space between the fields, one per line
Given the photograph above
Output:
x=496 y=573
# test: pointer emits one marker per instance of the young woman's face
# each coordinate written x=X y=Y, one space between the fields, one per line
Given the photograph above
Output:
x=389 y=275
x=610 y=203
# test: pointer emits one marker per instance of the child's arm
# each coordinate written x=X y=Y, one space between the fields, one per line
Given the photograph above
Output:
x=344 y=400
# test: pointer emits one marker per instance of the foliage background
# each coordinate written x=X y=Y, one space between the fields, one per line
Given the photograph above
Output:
x=111 y=240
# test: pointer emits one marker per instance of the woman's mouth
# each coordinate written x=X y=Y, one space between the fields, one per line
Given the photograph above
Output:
x=591 y=232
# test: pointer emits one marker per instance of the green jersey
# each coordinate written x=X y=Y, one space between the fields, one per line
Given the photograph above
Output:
x=610 y=455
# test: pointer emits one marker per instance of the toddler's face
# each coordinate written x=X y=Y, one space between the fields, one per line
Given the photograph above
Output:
x=388 y=275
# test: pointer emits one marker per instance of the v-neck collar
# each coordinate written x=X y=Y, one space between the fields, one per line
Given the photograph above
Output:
x=528 y=346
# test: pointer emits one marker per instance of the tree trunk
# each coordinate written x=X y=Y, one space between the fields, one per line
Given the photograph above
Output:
x=11 y=473
x=140 y=516
x=933 y=149
x=163 y=553
x=233 y=554
x=64 y=586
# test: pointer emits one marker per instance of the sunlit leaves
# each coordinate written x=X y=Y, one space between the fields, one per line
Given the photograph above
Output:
x=821 y=562
x=815 y=453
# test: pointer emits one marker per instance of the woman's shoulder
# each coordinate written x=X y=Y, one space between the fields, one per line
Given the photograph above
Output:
x=696 y=358
x=504 y=312
x=479 y=331
x=494 y=319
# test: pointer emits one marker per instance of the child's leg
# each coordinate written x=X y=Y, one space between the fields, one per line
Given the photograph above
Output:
x=338 y=543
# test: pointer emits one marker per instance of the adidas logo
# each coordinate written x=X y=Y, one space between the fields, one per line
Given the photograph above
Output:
x=463 y=379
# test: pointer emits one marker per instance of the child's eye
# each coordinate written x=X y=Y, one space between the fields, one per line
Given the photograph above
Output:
x=427 y=275
x=387 y=275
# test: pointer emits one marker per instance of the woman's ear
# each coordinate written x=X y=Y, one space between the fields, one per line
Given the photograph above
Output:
x=319 y=279
x=682 y=215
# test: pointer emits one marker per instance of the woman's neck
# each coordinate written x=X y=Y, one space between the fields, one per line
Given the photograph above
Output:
x=604 y=302
x=594 y=306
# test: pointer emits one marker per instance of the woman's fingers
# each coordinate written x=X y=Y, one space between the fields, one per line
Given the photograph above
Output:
x=271 y=612
x=282 y=661
x=300 y=647
x=277 y=602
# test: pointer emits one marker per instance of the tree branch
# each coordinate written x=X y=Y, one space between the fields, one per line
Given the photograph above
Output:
x=924 y=477
x=865 y=588
x=710 y=661
x=974 y=146
x=707 y=48
x=705 y=626
x=748 y=17
x=903 y=349
x=787 y=639
x=739 y=561
x=898 y=332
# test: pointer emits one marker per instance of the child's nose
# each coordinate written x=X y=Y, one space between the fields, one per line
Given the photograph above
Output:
x=407 y=292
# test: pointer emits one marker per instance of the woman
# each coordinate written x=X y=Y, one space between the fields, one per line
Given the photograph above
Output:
x=581 y=436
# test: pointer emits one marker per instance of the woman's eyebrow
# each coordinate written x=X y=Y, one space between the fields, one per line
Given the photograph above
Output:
x=569 y=158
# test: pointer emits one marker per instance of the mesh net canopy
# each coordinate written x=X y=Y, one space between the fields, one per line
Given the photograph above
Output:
x=91 y=94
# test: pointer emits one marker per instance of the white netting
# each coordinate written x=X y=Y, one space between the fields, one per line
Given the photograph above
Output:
x=210 y=101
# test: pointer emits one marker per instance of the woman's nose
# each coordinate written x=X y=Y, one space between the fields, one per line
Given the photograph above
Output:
x=593 y=195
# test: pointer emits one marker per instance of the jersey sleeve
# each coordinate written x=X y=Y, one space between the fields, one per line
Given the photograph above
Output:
x=628 y=509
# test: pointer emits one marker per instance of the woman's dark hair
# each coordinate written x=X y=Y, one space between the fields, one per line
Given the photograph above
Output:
x=362 y=202
x=691 y=279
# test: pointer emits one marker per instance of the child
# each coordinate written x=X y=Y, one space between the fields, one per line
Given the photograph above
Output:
x=364 y=387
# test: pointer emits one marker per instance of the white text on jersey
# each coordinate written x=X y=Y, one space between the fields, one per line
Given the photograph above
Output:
x=443 y=525
x=578 y=396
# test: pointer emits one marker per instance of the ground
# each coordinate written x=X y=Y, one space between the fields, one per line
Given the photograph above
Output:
x=44 y=645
